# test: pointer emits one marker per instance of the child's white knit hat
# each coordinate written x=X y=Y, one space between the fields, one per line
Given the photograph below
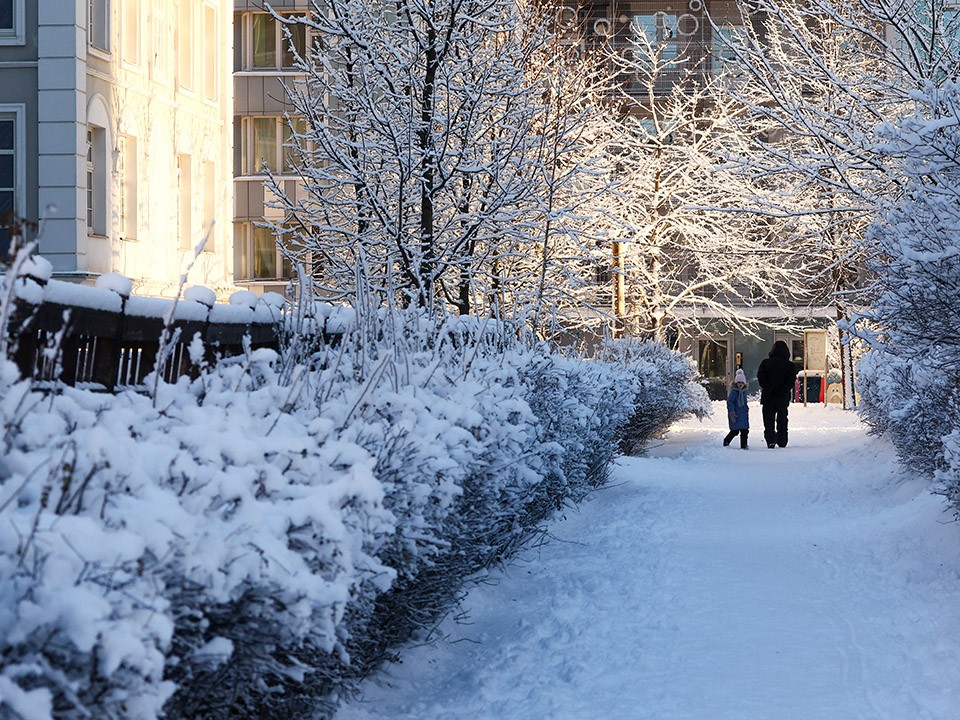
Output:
x=740 y=377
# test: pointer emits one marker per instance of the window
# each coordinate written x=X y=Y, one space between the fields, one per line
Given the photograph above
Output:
x=795 y=343
x=8 y=163
x=91 y=187
x=211 y=65
x=659 y=30
x=10 y=182
x=98 y=24
x=260 y=257
x=131 y=31
x=712 y=358
x=184 y=204
x=6 y=16
x=268 y=143
x=268 y=262
x=209 y=204
x=159 y=43
x=128 y=187
x=96 y=180
x=185 y=45
x=723 y=54
x=11 y=22
x=674 y=38
x=270 y=48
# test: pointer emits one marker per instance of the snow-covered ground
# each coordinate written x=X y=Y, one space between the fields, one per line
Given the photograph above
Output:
x=816 y=582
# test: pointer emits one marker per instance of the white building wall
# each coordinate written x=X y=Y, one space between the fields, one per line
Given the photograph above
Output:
x=137 y=95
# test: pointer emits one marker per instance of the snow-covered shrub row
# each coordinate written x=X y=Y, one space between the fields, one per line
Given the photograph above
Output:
x=248 y=543
x=666 y=392
x=911 y=403
x=908 y=379
x=146 y=543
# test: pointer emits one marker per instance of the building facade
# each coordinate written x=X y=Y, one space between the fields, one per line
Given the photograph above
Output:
x=115 y=117
x=265 y=52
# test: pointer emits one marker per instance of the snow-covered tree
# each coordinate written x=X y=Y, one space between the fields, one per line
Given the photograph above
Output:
x=910 y=387
x=825 y=74
x=689 y=243
x=435 y=151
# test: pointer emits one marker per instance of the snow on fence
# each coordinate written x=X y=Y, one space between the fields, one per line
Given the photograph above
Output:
x=104 y=338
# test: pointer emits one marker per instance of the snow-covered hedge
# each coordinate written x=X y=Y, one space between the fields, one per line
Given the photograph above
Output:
x=666 y=389
x=908 y=380
x=248 y=543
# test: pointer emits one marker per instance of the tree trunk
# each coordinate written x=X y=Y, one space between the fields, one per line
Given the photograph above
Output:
x=427 y=269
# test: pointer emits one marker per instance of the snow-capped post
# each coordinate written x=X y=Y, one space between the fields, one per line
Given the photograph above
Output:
x=200 y=355
x=245 y=300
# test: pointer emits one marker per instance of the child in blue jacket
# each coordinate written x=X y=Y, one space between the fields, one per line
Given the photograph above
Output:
x=738 y=413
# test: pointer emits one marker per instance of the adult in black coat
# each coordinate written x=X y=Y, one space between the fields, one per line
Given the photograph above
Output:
x=776 y=375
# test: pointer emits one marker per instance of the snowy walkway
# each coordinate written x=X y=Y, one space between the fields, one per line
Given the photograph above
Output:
x=709 y=583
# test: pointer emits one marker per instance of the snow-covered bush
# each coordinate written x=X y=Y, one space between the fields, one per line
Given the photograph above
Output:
x=908 y=402
x=249 y=542
x=469 y=449
x=179 y=542
x=665 y=389
x=908 y=378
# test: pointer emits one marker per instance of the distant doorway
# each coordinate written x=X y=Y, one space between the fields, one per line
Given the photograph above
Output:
x=713 y=358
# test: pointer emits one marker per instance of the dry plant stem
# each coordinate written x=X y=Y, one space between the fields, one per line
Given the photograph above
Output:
x=168 y=339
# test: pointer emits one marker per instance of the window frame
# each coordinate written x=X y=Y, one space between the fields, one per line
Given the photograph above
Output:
x=283 y=136
x=97 y=215
x=132 y=8
x=17 y=113
x=129 y=188
x=283 y=266
x=15 y=34
x=98 y=9
x=160 y=46
x=705 y=345
x=185 y=52
x=280 y=48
